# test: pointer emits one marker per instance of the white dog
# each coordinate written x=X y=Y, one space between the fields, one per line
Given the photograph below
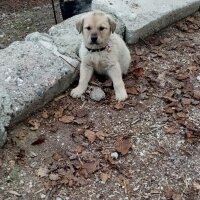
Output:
x=102 y=50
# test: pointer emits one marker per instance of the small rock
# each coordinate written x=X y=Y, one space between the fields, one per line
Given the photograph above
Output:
x=115 y=155
x=97 y=94
x=198 y=78
x=42 y=196
x=59 y=198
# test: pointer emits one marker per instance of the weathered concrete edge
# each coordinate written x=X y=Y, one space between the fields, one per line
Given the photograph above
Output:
x=132 y=36
x=162 y=22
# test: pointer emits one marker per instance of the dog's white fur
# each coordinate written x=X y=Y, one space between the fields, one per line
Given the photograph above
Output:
x=113 y=61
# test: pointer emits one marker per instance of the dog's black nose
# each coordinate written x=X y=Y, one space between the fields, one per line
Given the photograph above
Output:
x=94 y=39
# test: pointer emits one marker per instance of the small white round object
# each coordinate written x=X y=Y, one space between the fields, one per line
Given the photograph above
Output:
x=115 y=155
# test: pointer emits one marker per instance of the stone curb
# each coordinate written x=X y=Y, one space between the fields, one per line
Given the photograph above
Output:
x=145 y=17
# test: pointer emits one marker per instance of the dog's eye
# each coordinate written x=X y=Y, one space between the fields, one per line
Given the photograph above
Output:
x=101 y=28
x=88 y=28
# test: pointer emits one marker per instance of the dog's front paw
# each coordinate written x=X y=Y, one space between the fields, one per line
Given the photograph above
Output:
x=121 y=96
x=77 y=92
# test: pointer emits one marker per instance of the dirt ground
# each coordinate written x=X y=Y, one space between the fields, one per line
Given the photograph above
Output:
x=144 y=148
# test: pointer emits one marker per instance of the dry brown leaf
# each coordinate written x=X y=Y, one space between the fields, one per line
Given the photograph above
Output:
x=171 y=129
x=45 y=114
x=104 y=177
x=66 y=119
x=56 y=156
x=169 y=110
x=138 y=72
x=196 y=94
x=123 y=146
x=101 y=135
x=35 y=124
x=192 y=68
x=90 y=135
x=59 y=113
x=132 y=90
x=182 y=76
x=119 y=106
x=54 y=177
x=91 y=167
x=181 y=115
x=169 y=93
x=186 y=101
x=42 y=172
x=78 y=148
x=39 y=140
x=81 y=113
x=196 y=185
x=168 y=193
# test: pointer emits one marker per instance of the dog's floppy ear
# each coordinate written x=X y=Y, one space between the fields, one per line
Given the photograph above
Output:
x=112 y=24
x=79 y=25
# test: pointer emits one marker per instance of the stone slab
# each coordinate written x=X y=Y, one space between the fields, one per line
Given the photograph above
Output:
x=144 y=17
x=30 y=76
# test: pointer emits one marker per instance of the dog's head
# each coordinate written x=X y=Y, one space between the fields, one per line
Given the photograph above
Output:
x=96 y=27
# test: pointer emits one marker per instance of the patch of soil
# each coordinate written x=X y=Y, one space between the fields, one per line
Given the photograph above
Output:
x=144 y=148
x=21 y=18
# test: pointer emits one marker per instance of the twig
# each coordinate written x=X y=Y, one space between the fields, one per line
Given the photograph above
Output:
x=39 y=191
x=79 y=159
x=83 y=104
x=165 y=97
x=54 y=11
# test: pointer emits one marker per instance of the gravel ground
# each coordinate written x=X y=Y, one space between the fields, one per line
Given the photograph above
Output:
x=145 y=148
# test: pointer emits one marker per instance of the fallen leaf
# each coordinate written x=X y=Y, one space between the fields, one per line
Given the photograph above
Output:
x=196 y=185
x=54 y=177
x=59 y=113
x=90 y=135
x=192 y=68
x=66 y=119
x=104 y=177
x=80 y=121
x=181 y=115
x=169 y=94
x=186 y=101
x=132 y=90
x=56 y=156
x=39 y=140
x=168 y=192
x=123 y=146
x=42 y=172
x=138 y=71
x=101 y=135
x=81 y=113
x=119 y=106
x=196 y=94
x=190 y=19
x=169 y=110
x=182 y=76
x=171 y=129
x=35 y=124
x=45 y=114
x=78 y=148
x=91 y=167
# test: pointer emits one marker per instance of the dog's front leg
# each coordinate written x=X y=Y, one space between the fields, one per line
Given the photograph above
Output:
x=85 y=76
x=116 y=75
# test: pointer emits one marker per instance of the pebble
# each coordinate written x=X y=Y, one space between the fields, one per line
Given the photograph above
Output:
x=114 y=155
x=198 y=78
x=97 y=94
x=59 y=198
x=42 y=196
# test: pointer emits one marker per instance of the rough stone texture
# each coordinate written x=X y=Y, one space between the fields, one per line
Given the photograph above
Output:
x=144 y=17
x=97 y=94
x=30 y=76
